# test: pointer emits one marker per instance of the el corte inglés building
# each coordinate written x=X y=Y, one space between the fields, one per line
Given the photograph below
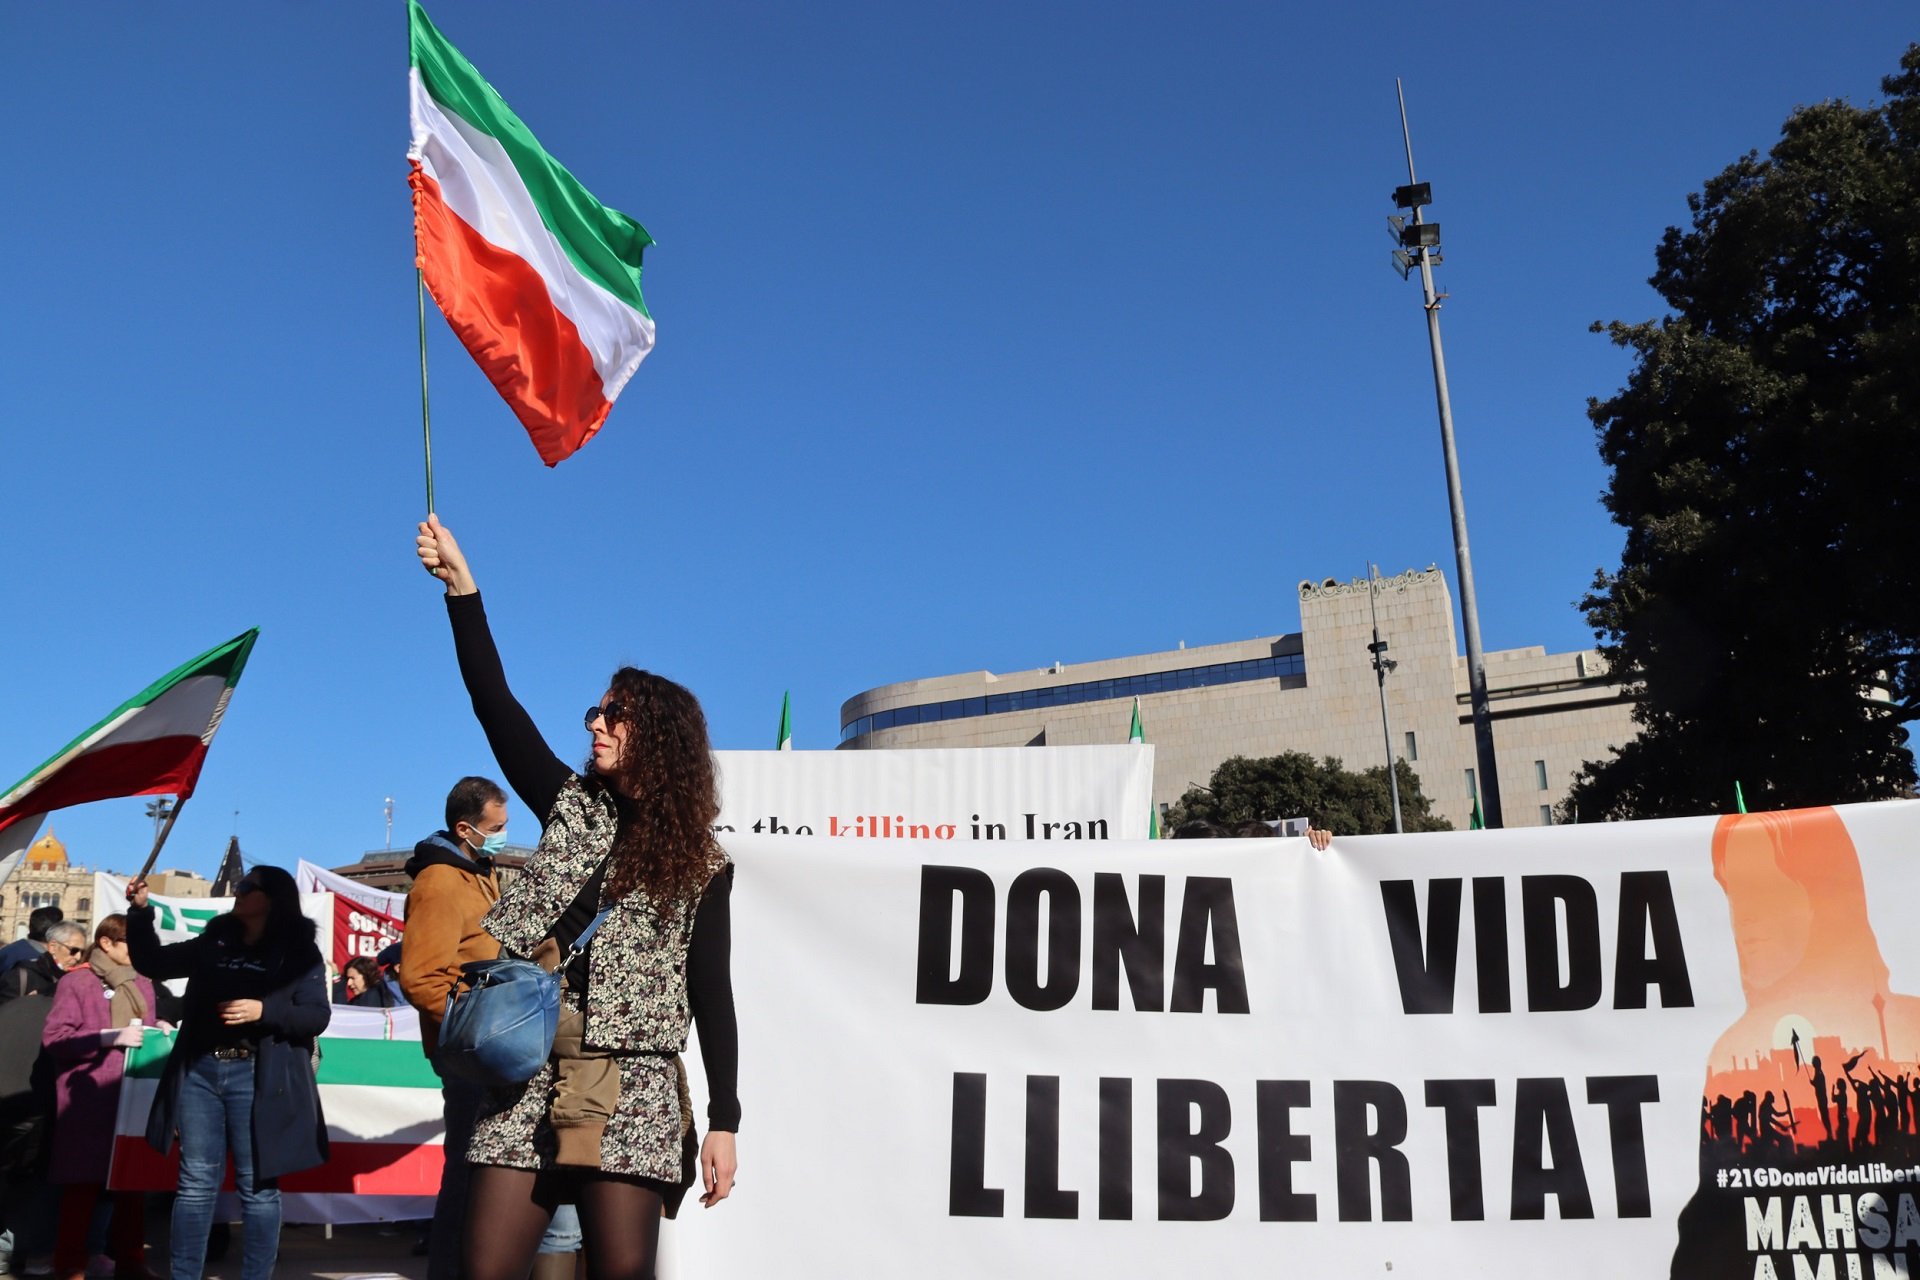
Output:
x=1313 y=690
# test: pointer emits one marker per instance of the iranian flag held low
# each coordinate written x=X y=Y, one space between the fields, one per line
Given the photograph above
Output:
x=152 y=744
x=539 y=279
x=381 y=1099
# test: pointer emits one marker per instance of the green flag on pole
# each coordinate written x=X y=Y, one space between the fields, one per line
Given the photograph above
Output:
x=1137 y=736
x=1478 y=821
x=786 y=722
x=1739 y=798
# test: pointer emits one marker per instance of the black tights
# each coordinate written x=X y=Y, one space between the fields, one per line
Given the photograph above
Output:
x=508 y=1211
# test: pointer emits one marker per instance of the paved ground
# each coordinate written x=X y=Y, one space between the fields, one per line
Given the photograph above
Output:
x=370 y=1252
x=354 y=1253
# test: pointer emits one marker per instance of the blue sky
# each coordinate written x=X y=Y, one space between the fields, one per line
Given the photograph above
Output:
x=990 y=335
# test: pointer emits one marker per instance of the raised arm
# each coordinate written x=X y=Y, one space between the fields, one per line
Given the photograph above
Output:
x=531 y=768
x=173 y=960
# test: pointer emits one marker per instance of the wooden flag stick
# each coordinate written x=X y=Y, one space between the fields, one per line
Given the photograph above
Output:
x=160 y=840
x=426 y=422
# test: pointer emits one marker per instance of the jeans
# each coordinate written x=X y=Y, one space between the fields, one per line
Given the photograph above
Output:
x=563 y=1233
x=216 y=1120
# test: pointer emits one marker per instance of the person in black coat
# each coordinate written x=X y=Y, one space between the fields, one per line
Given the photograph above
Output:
x=243 y=1062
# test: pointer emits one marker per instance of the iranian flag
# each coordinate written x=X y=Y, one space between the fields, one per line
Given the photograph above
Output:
x=152 y=744
x=381 y=1100
x=540 y=280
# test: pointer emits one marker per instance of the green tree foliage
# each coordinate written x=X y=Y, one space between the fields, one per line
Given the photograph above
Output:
x=1766 y=468
x=1295 y=785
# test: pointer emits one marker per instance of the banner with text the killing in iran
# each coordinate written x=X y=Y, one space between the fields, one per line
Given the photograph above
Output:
x=941 y=795
x=1687 y=1048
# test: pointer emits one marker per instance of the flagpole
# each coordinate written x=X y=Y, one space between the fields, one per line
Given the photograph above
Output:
x=161 y=839
x=426 y=420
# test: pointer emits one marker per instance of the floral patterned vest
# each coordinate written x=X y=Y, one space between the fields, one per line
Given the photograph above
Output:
x=636 y=998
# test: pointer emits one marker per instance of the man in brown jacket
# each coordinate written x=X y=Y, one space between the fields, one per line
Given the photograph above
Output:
x=453 y=887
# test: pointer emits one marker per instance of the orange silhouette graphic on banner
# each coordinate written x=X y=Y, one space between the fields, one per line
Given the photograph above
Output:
x=1823 y=1068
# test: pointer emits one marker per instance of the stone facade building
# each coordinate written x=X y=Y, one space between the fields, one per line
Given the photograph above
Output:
x=1313 y=690
x=387 y=868
x=45 y=878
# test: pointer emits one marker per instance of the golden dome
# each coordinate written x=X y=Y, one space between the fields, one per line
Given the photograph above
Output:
x=46 y=854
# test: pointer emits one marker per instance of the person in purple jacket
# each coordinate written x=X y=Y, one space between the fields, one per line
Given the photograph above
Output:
x=98 y=1010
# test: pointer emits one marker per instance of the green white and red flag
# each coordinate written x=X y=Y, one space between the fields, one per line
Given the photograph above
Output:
x=539 y=279
x=381 y=1100
x=152 y=744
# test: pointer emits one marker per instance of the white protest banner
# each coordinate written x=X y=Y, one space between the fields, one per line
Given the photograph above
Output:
x=1584 y=1051
x=940 y=795
x=314 y=878
x=366 y=920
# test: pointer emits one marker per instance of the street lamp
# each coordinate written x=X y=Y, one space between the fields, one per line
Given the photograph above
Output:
x=1381 y=665
x=1419 y=242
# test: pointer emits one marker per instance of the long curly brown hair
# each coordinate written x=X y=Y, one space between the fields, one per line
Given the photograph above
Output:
x=664 y=785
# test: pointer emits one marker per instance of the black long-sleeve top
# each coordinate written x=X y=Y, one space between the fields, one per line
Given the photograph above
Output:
x=536 y=775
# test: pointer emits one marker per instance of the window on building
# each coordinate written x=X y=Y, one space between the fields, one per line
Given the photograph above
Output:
x=1540 y=773
x=1546 y=815
x=1413 y=746
x=86 y=904
x=1281 y=665
x=1473 y=792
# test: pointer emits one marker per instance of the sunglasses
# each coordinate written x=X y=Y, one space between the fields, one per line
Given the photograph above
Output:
x=615 y=712
x=248 y=886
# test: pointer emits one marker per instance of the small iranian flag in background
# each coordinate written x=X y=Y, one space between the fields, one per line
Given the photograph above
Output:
x=540 y=280
x=152 y=744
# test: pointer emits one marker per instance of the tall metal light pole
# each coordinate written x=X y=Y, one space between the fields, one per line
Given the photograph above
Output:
x=1381 y=665
x=1420 y=241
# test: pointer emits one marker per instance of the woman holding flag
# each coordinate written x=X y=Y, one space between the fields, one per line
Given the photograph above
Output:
x=240 y=1079
x=606 y=1122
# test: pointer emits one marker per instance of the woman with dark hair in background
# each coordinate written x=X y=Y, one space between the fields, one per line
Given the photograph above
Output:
x=364 y=985
x=98 y=1010
x=240 y=1079
x=606 y=1122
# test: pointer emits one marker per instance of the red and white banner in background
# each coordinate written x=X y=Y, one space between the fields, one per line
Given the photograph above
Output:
x=366 y=920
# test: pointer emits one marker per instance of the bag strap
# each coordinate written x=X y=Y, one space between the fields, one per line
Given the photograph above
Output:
x=586 y=936
x=593 y=926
